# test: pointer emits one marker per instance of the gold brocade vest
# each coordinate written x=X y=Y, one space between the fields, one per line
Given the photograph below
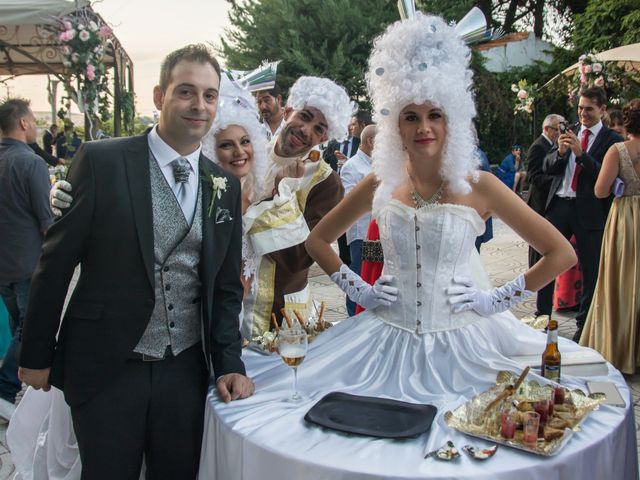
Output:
x=277 y=227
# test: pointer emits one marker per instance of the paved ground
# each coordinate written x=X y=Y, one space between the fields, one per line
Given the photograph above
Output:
x=504 y=258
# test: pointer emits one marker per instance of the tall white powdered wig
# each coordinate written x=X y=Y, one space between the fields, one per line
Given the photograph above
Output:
x=236 y=106
x=328 y=97
x=414 y=61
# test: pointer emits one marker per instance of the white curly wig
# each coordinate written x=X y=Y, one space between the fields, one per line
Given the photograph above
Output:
x=236 y=106
x=415 y=61
x=328 y=97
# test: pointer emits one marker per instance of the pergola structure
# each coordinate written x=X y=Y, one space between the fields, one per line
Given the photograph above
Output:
x=29 y=46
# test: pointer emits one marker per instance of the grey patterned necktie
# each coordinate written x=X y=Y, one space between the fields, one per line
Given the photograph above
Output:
x=181 y=171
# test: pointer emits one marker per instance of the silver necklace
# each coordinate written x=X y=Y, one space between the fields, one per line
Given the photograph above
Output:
x=420 y=202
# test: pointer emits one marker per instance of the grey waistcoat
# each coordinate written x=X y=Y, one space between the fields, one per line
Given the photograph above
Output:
x=175 y=320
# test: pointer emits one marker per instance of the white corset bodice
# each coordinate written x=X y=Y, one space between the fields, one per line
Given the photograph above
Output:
x=424 y=249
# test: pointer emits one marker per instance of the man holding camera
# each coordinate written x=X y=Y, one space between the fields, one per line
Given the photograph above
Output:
x=571 y=206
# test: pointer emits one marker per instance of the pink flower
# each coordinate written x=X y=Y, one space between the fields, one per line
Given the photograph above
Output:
x=583 y=78
x=597 y=67
x=599 y=82
x=105 y=31
x=91 y=72
x=588 y=69
x=67 y=25
x=84 y=35
x=67 y=35
x=522 y=94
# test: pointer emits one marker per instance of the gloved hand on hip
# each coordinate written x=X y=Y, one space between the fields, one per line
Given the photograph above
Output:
x=465 y=296
x=367 y=296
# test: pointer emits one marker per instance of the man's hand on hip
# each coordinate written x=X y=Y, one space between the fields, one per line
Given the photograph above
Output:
x=38 y=379
x=234 y=386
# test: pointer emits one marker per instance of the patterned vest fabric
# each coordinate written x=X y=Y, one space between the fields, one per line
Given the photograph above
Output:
x=175 y=320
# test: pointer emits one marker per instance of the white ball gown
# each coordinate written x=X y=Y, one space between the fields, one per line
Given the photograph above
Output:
x=415 y=350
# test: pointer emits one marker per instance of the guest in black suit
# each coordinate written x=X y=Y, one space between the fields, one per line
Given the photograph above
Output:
x=539 y=182
x=159 y=285
x=336 y=153
x=48 y=138
x=571 y=205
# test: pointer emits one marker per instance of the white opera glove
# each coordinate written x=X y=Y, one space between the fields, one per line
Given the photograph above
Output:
x=465 y=296
x=59 y=197
x=365 y=295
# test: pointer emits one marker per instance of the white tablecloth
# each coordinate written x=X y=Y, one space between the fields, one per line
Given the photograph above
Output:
x=281 y=445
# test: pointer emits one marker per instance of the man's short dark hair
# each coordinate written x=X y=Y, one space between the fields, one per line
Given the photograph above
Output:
x=53 y=127
x=191 y=53
x=11 y=111
x=364 y=117
x=274 y=92
x=596 y=94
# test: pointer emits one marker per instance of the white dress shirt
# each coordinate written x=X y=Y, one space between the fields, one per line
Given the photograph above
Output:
x=353 y=171
x=565 y=189
x=164 y=155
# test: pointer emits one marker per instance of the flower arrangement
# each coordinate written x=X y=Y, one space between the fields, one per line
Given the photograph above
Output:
x=620 y=84
x=525 y=96
x=82 y=38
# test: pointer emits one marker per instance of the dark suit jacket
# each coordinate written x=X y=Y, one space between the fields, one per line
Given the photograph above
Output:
x=50 y=159
x=47 y=142
x=591 y=211
x=108 y=230
x=329 y=156
x=539 y=182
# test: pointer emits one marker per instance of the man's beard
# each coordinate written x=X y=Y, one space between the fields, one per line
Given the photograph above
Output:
x=289 y=150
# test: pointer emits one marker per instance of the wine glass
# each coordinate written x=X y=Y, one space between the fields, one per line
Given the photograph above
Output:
x=292 y=345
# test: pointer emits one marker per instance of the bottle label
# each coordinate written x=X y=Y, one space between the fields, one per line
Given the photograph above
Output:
x=552 y=372
x=552 y=336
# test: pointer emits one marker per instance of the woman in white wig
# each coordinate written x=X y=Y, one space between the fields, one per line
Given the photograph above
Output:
x=443 y=338
x=41 y=436
x=428 y=335
x=237 y=141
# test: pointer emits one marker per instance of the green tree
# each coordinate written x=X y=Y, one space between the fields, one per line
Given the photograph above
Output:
x=330 y=38
x=607 y=24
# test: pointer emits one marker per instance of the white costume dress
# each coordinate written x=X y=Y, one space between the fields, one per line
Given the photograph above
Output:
x=415 y=350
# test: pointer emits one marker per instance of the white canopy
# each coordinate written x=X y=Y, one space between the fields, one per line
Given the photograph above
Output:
x=627 y=57
x=28 y=43
x=24 y=12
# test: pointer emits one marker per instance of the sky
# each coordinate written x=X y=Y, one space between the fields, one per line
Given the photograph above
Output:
x=148 y=30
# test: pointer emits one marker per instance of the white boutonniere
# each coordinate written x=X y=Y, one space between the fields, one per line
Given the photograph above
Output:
x=218 y=187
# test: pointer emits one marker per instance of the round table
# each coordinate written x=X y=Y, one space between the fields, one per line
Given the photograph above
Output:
x=278 y=443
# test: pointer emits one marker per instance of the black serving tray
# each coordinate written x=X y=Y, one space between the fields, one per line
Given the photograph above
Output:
x=376 y=417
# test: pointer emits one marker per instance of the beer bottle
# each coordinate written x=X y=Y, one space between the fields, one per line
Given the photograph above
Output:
x=551 y=355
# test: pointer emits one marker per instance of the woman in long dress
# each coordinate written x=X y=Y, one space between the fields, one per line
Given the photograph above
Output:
x=40 y=435
x=428 y=335
x=613 y=322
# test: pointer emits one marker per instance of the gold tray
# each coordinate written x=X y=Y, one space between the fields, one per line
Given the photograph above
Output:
x=460 y=418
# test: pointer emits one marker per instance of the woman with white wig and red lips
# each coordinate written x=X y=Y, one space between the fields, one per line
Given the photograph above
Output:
x=236 y=140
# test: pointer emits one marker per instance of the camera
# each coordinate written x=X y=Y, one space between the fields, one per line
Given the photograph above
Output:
x=563 y=127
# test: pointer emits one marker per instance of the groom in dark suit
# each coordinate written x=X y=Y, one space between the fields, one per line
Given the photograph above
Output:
x=156 y=228
x=571 y=205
